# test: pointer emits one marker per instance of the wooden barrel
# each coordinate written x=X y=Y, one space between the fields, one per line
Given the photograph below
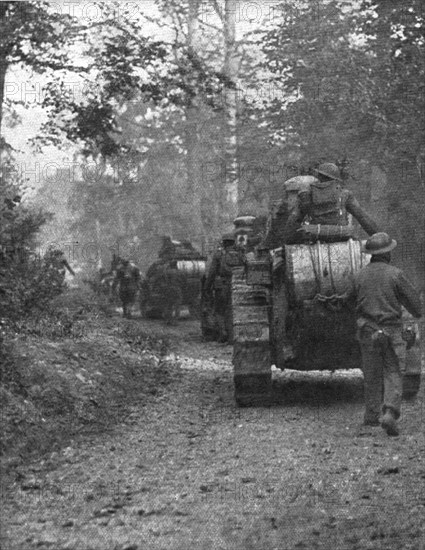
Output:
x=322 y=268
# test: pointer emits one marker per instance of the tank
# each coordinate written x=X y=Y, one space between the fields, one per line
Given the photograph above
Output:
x=187 y=266
x=290 y=311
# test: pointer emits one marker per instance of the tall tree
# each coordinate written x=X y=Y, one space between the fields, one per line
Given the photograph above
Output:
x=192 y=119
x=32 y=35
x=230 y=70
x=353 y=84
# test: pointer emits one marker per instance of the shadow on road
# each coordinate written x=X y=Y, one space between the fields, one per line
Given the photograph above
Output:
x=322 y=389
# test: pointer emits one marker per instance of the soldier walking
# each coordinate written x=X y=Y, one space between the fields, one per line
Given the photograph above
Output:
x=380 y=291
x=127 y=278
x=57 y=264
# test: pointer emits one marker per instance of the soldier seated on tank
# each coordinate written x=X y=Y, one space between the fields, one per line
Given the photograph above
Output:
x=326 y=205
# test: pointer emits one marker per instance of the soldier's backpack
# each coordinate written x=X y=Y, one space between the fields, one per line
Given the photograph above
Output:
x=327 y=200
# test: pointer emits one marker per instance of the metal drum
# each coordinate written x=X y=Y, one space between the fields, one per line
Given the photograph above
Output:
x=322 y=268
x=192 y=268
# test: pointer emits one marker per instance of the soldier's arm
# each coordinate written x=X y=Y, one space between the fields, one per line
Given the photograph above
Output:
x=408 y=295
x=295 y=218
x=68 y=267
x=353 y=207
x=274 y=236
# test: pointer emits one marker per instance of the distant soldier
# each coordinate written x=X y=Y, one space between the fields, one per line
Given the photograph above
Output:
x=380 y=291
x=59 y=261
x=127 y=280
x=219 y=278
x=325 y=204
x=58 y=264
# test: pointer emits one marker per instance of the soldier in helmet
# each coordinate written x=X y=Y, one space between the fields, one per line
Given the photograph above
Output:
x=219 y=279
x=380 y=291
x=58 y=264
x=127 y=279
x=325 y=203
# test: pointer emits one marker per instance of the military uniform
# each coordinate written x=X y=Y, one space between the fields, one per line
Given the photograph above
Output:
x=127 y=278
x=380 y=291
x=325 y=203
x=58 y=265
x=219 y=278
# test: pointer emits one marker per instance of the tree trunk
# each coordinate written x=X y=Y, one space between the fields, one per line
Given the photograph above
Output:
x=230 y=70
x=193 y=160
x=3 y=69
x=4 y=52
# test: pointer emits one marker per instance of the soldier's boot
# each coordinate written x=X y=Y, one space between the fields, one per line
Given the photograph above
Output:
x=389 y=423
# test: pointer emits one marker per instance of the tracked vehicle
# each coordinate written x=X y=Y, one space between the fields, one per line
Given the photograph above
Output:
x=182 y=258
x=289 y=310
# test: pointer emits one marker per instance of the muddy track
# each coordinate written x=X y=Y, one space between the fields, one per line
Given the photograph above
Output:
x=187 y=469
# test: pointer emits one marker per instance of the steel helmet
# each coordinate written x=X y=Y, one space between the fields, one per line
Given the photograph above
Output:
x=379 y=243
x=330 y=170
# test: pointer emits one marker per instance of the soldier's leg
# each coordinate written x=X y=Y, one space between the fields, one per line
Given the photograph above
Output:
x=220 y=311
x=178 y=301
x=125 y=303
x=172 y=303
x=167 y=313
x=228 y=319
x=126 y=310
x=394 y=365
x=372 y=367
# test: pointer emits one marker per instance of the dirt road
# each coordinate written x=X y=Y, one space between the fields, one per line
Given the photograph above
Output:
x=186 y=469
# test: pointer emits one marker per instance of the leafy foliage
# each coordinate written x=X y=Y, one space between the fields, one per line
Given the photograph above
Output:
x=33 y=35
x=27 y=281
x=353 y=83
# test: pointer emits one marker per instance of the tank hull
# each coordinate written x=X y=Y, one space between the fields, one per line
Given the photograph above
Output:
x=292 y=312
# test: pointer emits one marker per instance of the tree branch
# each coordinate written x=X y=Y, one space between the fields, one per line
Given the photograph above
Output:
x=218 y=9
